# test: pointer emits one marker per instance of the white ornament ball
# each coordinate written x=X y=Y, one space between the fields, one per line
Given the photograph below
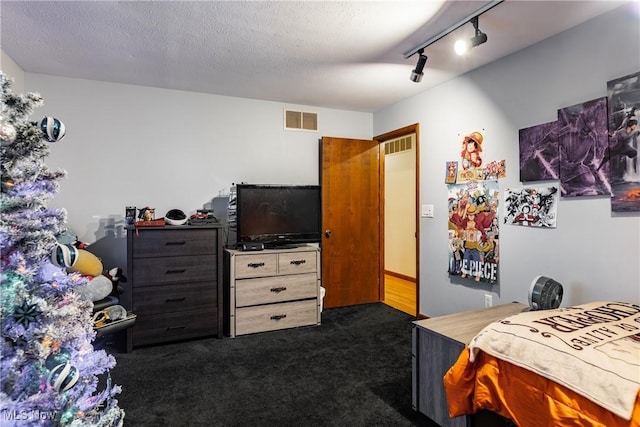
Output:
x=64 y=256
x=63 y=377
x=52 y=128
x=7 y=133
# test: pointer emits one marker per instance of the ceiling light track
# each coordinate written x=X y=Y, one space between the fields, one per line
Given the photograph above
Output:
x=420 y=48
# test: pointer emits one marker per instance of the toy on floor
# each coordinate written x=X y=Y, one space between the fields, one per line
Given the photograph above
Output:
x=103 y=288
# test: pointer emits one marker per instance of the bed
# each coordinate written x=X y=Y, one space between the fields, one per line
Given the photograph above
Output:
x=576 y=366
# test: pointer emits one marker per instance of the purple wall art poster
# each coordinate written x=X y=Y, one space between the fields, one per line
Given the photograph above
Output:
x=539 y=159
x=622 y=161
x=582 y=142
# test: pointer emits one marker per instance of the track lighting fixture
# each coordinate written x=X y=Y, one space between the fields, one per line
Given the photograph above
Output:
x=416 y=75
x=478 y=39
x=462 y=46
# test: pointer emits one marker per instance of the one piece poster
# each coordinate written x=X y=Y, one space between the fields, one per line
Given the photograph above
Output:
x=471 y=158
x=473 y=231
x=451 y=172
x=494 y=170
x=582 y=142
x=531 y=207
x=539 y=156
x=622 y=161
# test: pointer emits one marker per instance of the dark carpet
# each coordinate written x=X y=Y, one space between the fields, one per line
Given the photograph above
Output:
x=352 y=370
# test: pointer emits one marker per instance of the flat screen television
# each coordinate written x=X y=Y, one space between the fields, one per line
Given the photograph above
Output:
x=277 y=215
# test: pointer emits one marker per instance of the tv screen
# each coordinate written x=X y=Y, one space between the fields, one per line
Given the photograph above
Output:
x=278 y=214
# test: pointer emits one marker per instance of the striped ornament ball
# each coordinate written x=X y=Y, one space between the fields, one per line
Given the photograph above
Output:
x=52 y=128
x=64 y=256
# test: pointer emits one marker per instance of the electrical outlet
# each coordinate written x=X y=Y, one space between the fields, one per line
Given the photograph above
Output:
x=488 y=300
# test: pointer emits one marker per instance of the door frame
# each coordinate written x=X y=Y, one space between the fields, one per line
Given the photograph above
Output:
x=404 y=131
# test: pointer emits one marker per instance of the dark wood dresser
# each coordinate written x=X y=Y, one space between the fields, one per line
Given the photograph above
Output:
x=437 y=343
x=176 y=283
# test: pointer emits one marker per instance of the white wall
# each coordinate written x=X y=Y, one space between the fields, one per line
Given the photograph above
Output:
x=11 y=69
x=139 y=146
x=593 y=252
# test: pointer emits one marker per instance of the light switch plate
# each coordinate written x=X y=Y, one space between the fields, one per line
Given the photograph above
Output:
x=427 y=211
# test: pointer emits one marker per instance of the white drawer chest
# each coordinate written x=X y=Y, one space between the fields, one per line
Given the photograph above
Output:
x=272 y=289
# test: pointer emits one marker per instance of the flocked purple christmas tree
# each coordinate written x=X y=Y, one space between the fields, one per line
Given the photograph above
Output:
x=50 y=373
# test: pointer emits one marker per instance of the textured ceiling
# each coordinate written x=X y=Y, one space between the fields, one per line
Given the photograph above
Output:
x=346 y=55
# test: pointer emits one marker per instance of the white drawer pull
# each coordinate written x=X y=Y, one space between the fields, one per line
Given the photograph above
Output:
x=278 y=290
x=278 y=316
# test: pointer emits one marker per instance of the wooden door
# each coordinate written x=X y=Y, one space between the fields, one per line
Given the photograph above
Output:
x=350 y=179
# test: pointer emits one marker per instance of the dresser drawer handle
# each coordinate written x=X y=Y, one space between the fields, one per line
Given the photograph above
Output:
x=176 y=299
x=171 y=328
x=298 y=261
x=278 y=317
x=177 y=271
x=278 y=290
x=175 y=243
x=255 y=264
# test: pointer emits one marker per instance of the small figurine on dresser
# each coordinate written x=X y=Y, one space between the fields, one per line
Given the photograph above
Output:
x=147 y=214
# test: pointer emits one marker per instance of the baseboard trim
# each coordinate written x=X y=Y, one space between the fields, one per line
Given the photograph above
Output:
x=400 y=276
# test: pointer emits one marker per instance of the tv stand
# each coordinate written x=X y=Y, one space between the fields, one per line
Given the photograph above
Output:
x=271 y=289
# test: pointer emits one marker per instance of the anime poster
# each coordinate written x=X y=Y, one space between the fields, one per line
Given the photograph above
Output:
x=539 y=156
x=471 y=158
x=451 y=172
x=531 y=207
x=472 y=168
x=621 y=159
x=582 y=142
x=473 y=231
x=494 y=170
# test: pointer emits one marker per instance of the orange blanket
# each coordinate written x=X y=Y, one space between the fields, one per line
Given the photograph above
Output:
x=525 y=397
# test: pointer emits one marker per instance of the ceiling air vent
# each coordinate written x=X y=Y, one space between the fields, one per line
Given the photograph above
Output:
x=398 y=145
x=300 y=120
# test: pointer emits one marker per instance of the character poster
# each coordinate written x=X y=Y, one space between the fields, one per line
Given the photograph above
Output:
x=473 y=231
x=471 y=158
x=622 y=161
x=472 y=167
x=451 y=172
x=582 y=143
x=539 y=156
x=531 y=207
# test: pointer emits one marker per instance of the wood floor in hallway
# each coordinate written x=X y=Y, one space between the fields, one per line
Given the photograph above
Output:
x=400 y=294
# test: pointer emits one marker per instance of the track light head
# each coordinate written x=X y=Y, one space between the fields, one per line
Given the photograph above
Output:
x=462 y=46
x=416 y=74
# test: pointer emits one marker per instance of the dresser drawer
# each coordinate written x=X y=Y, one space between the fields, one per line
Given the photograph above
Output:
x=265 y=290
x=167 y=242
x=297 y=262
x=174 y=326
x=172 y=298
x=177 y=269
x=256 y=265
x=276 y=316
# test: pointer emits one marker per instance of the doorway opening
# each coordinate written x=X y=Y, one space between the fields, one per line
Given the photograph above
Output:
x=400 y=224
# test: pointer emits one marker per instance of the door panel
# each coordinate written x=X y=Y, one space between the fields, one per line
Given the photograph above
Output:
x=350 y=179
